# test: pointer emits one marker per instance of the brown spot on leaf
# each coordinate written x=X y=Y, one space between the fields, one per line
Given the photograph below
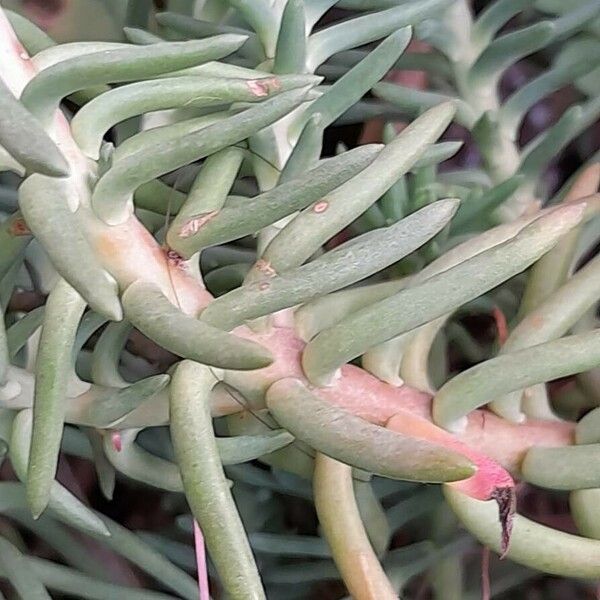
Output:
x=194 y=225
x=263 y=87
x=321 y=207
x=265 y=267
x=19 y=228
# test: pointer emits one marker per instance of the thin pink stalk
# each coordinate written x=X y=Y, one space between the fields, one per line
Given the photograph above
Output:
x=201 y=562
x=485 y=574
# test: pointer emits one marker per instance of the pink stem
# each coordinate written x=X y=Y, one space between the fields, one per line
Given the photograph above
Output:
x=201 y=562
x=485 y=573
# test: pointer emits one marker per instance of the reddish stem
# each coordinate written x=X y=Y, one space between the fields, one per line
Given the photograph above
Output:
x=201 y=562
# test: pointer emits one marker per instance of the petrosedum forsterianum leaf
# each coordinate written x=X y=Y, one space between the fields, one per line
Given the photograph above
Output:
x=204 y=482
x=62 y=503
x=210 y=189
x=188 y=91
x=25 y=139
x=514 y=371
x=53 y=372
x=367 y=28
x=343 y=266
x=16 y=568
x=45 y=91
x=356 y=442
x=437 y=295
x=113 y=194
x=148 y=309
x=236 y=220
x=44 y=203
x=569 y=468
x=343 y=528
x=310 y=229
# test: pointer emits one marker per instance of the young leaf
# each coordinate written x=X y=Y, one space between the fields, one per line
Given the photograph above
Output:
x=508 y=49
x=575 y=119
x=576 y=18
x=569 y=66
x=493 y=17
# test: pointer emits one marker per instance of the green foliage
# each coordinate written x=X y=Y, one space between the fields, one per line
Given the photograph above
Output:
x=329 y=360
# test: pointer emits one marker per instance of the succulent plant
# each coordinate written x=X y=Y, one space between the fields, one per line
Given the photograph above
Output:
x=175 y=183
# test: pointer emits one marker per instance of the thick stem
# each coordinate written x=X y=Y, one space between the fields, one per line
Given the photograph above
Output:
x=498 y=149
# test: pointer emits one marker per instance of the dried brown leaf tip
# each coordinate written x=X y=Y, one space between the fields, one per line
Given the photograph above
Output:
x=194 y=225
x=506 y=499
